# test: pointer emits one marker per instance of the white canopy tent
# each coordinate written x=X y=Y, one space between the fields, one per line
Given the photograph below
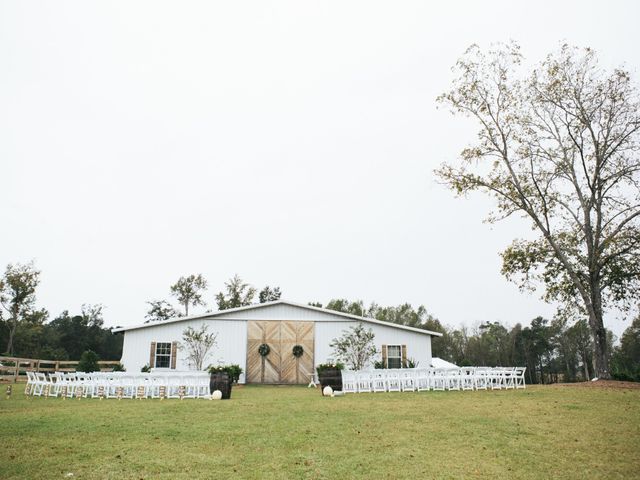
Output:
x=440 y=363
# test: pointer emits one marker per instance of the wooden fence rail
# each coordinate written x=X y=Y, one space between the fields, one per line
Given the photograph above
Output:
x=15 y=369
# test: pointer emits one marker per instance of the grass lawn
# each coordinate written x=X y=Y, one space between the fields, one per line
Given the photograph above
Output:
x=293 y=432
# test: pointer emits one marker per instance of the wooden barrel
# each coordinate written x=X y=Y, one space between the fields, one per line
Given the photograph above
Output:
x=220 y=381
x=330 y=377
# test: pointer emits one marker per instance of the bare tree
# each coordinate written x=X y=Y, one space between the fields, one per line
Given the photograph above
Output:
x=558 y=146
x=355 y=347
x=198 y=344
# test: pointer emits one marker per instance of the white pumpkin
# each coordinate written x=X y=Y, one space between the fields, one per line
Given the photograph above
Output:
x=216 y=395
x=327 y=391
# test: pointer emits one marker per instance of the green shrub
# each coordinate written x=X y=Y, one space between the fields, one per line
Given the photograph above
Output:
x=625 y=375
x=329 y=366
x=118 y=367
x=379 y=365
x=410 y=363
x=146 y=369
x=88 y=362
x=234 y=371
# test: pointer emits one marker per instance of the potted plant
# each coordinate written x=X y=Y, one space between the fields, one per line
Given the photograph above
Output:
x=222 y=378
x=234 y=371
x=330 y=374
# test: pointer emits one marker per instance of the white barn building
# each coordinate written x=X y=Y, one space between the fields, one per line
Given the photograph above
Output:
x=279 y=324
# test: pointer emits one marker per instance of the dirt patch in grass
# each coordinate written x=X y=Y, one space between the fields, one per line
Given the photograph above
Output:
x=608 y=384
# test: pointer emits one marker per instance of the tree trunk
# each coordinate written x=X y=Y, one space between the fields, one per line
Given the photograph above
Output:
x=599 y=333
x=186 y=309
x=13 y=326
x=567 y=367
x=600 y=352
x=585 y=366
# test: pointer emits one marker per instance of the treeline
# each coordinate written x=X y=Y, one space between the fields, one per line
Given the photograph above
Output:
x=27 y=331
x=65 y=337
x=553 y=351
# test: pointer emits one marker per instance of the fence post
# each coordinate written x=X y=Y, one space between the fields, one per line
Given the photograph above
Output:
x=17 y=371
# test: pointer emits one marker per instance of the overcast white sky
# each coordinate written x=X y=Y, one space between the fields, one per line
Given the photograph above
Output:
x=292 y=143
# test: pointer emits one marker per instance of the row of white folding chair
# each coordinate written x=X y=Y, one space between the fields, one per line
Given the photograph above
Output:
x=388 y=380
x=474 y=378
x=36 y=383
x=500 y=377
x=465 y=378
x=174 y=385
x=120 y=385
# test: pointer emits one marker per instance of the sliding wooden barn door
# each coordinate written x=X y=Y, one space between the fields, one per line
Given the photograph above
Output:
x=280 y=366
x=263 y=369
x=296 y=369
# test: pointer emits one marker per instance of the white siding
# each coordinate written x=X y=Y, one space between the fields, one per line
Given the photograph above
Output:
x=418 y=345
x=231 y=346
x=232 y=336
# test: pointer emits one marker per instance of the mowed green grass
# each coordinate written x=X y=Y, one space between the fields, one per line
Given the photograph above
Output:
x=293 y=432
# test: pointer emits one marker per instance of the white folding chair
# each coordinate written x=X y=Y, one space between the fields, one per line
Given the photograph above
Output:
x=99 y=385
x=364 y=381
x=61 y=384
x=508 y=377
x=496 y=378
x=54 y=388
x=393 y=381
x=452 y=378
x=202 y=385
x=157 y=381
x=379 y=380
x=82 y=381
x=467 y=378
x=31 y=383
x=407 y=380
x=41 y=383
x=112 y=383
x=175 y=384
x=72 y=384
x=349 y=383
x=481 y=378
x=190 y=386
x=439 y=379
x=130 y=385
x=519 y=377
x=423 y=379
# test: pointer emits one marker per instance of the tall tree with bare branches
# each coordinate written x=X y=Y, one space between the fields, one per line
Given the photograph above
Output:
x=18 y=296
x=188 y=291
x=557 y=145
